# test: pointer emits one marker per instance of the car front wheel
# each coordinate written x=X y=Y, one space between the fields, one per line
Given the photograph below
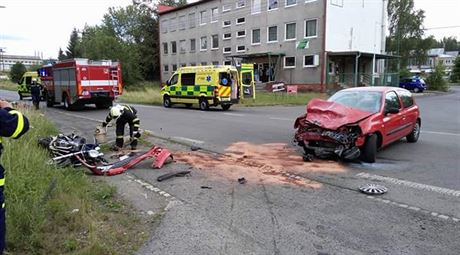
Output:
x=369 y=150
x=415 y=134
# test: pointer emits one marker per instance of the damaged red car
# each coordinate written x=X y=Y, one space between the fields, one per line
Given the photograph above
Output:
x=354 y=123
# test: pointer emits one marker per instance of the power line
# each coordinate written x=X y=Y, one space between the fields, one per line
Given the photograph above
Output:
x=432 y=28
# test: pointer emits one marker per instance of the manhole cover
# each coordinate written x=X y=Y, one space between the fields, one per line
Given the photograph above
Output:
x=373 y=189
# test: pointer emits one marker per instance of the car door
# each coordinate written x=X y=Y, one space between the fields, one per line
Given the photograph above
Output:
x=409 y=111
x=393 y=118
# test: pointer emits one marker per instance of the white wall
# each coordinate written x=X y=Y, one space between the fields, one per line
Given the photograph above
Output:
x=355 y=25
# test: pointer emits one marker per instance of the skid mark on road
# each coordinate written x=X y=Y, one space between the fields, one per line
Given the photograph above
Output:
x=275 y=223
x=415 y=185
x=415 y=209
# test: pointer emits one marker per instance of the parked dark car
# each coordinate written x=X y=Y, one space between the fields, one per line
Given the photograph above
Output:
x=416 y=84
x=354 y=123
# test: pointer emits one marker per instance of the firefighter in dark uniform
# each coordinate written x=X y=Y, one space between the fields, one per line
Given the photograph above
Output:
x=35 y=90
x=12 y=124
x=124 y=114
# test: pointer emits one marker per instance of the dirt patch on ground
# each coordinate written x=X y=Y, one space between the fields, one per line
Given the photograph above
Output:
x=271 y=163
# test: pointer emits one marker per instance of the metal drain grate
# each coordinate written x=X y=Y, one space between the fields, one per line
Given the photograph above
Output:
x=373 y=189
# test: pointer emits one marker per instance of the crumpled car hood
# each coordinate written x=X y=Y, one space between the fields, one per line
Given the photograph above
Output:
x=331 y=115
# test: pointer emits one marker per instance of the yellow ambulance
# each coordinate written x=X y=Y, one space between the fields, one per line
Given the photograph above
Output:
x=207 y=86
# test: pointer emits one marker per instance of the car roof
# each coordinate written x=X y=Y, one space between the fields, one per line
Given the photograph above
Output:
x=374 y=88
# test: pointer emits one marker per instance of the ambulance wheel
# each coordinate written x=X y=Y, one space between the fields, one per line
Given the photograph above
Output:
x=167 y=101
x=226 y=106
x=204 y=105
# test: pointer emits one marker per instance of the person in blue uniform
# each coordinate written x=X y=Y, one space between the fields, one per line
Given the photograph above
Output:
x=124 y=114
x=13 y=124
x=35 y=90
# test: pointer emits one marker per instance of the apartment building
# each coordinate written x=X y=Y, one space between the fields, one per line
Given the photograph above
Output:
x=7 y=61
x=302 y=42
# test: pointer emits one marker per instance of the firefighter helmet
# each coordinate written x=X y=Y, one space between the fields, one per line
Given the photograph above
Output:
x=116 y=111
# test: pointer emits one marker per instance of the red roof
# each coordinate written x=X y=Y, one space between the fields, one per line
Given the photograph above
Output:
x=164 y=8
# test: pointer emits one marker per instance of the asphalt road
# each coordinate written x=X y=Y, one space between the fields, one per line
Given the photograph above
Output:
x=419 y=215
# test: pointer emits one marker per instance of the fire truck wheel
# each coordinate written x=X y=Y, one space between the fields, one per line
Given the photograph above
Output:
x=204 y=105
x=166 y=101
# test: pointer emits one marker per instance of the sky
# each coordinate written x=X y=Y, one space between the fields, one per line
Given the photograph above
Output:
x=44 y=26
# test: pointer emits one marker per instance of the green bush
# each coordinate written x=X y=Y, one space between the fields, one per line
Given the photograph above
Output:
x=436 y=80
x=16 y=72
x=455 y=76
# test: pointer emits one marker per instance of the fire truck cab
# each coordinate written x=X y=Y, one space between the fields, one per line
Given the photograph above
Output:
x=77 y=82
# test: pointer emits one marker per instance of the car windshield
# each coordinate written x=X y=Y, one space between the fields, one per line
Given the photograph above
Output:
x=369 y=101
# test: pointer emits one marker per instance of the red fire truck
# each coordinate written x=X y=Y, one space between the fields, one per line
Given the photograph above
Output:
x=76 y=82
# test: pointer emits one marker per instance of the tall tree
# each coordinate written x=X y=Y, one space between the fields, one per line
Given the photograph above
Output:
x=173 y=3
x=450 y=44
x=72 y=48
x=455 y=76
x=61 y=55
x=406 y=30
x=16 y=72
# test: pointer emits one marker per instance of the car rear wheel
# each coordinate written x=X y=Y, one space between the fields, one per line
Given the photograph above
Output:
x=204 y=105
x=369 y=150
x=416 y=90
x=167 y=101
x=414 y=135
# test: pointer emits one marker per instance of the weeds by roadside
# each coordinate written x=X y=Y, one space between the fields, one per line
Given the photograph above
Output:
x=8 y=85
x=58 y=211
x=149 y=93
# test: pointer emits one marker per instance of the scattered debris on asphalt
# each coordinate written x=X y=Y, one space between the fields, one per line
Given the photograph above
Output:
x=242 y=180
x=373 y=189
x=174 y=174
x=260 y=162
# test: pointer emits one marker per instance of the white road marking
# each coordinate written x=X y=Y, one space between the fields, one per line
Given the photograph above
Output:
x=234 y=114
x=415 y=185
x=440 y=133
x=276 y=118
x=188 y=139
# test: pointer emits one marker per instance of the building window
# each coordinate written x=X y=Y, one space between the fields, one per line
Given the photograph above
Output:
x=226 y=36
x=174 y=67
x=182 y=22
x=240 y=3
x=215 y=63
x=192 y=45
x=227 y=62
x=290 y=32
x=192 y=64
x=182 y=46
x=173 y=47
x=290 y=3
x=227 y=50
x=310 y=60
x=310 y=28
x=226 y=7
x=172 y=24
x=214 y=41
x=204 y=63
x=214 y=14
x=289 y=62
x=191 y=20
x=164 y=26
x=240 y=48
x=255 y=36
x=241 y=33
x=165 y=48
x=226 y=23
x=203 y=43
x=272 y=34
x=240 y=21
x=255 y=6
x=202 y=17
x=272 y=4
x=165 y=68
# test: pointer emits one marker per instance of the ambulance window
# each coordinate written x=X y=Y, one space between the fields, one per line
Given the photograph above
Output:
x=28 y=80
x=174 y=79
x=224 y=79
x=187 y=79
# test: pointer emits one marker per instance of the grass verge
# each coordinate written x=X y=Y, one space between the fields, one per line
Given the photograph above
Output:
x=62 y=211
x=8 y=85
x=150 y=94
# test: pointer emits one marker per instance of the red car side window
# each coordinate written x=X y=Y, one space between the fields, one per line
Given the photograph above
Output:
x=392 y=101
